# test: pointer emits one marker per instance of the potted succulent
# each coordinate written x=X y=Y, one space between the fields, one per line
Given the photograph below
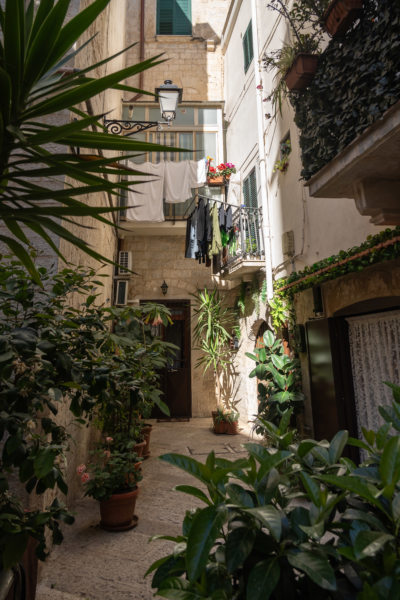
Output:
x=112 y=480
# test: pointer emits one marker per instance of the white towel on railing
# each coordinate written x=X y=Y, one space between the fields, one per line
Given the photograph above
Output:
x=146 y=199
x=198 y=172
x=177 y=181
x=234 y=189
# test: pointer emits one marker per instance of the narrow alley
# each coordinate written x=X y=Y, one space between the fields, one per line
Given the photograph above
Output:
x=93 y=564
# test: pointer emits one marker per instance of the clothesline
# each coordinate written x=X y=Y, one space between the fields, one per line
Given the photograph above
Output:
x=216 y=200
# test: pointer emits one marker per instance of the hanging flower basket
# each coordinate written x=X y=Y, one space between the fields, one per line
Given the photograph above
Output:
x=340 y=15
x=302 y=72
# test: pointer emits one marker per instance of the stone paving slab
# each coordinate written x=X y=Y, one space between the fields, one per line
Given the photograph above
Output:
x=92 y=564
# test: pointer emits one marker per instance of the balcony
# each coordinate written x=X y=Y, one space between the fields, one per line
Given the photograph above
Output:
x=244 y=255
x=349 y=117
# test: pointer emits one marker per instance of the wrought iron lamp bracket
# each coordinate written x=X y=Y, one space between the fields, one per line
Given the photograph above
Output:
x=119 y=126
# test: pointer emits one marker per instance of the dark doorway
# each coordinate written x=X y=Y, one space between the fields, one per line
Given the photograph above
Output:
x=175 y=379
x=332 y=394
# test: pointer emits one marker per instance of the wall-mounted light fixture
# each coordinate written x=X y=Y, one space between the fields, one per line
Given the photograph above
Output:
x=164 y=287
x=168 y=95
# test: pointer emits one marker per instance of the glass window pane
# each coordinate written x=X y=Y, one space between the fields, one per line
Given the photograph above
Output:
x=138 y=113
x=154 y=113
x=208 y=116
x=184 y=116
x=140 y=158
x=206 y=145
x=185 y=140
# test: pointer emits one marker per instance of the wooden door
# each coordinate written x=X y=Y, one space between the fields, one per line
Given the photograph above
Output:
x=332 y=395
x=175 y=380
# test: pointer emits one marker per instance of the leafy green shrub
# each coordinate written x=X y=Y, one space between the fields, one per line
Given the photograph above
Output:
x=279 y=382
x=294 y=521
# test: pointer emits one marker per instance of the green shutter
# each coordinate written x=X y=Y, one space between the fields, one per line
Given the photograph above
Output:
x=250 y=190
x=248 y=47
x=182 y=17
x=252 y=233
x=174 y=17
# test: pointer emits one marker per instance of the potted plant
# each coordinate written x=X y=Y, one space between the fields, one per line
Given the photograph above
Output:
x=212 y=335
x=283 y=162
x=112 y=480
x=225 y=420
x=295 y=62
x=340 y=15
x=219 y=175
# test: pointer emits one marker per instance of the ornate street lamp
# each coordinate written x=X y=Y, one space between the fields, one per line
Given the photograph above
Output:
x=168 y=95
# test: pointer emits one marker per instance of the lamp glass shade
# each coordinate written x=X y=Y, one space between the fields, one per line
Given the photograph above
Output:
x=169 y=95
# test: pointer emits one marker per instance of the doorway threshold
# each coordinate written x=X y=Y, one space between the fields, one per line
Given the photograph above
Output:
x=174 y=420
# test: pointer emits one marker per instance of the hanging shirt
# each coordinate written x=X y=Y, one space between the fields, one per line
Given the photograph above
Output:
x=192 y=245
x=216 y=244
x=234 y=190
x=145 y=199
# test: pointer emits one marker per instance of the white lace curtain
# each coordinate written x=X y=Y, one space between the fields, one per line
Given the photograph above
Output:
x=375 y=357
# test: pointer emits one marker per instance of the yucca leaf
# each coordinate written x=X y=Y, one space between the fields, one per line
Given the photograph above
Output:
x=20 y=252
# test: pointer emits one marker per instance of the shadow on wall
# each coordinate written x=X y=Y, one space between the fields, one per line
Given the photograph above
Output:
x=204 y=31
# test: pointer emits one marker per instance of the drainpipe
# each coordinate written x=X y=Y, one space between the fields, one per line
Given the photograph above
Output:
x=262 y=161
x=141 y=47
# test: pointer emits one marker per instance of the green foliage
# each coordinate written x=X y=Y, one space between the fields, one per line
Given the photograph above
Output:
x=212 y=330
x=293 y=521
x=309 y=276
x=112 y=472
x=307 y=35
x=281 y=311
x=283 y=163
x=225 y=416
x=356 y=83
x=35 y=45
x=279 y=381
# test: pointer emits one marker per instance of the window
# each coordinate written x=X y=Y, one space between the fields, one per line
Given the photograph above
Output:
x=252 y=221
x=174 y=17
x=248 y=47
x=195 y=128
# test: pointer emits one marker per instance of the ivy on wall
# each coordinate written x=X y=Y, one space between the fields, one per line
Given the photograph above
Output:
x=357 y=80
x=377 y=248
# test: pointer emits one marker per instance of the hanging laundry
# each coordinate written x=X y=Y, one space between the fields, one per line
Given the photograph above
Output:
x=234 y=190
x=191 y=246
x=146 y=199
x=216 y=243
x=177 y=181
x=198 y=170
x=204 y=229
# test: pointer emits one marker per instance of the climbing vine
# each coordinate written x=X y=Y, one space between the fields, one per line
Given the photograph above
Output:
x=356 y=82
x=377 y=248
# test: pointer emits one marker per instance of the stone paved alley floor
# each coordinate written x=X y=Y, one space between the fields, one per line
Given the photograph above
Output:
x=93 y=564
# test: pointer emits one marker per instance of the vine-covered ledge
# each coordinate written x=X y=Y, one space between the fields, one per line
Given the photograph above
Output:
x=357 y=81
x=377 y=248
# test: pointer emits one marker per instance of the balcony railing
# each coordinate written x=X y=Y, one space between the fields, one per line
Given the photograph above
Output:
x=244 y=252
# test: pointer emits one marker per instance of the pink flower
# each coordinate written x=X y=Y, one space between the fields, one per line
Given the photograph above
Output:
x=81 y=469
x=260 y=87
x=109 y=440
x=85 y=477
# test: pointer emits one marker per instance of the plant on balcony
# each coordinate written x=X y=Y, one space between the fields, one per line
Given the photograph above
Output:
x=296 y=62
x=220 y=173
x=279 y=380
x=291 y=521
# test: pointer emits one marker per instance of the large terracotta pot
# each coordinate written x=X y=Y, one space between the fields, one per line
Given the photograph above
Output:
x=146 y=431
x=117 y=512
x=139 y=448
x=232 y=428
x=302 y=72
x=340 y=15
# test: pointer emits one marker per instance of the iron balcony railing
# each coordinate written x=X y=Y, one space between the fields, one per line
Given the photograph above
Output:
x=245 y=240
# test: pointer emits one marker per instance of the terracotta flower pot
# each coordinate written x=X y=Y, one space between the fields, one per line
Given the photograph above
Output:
x=146 y=431
x=232 y=428
x=117 y=512
x=302 y=71
x=340 y=15
x=215 y=180
x=139 y=448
